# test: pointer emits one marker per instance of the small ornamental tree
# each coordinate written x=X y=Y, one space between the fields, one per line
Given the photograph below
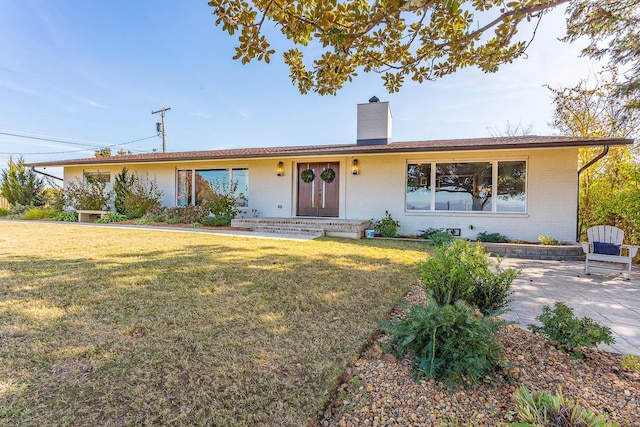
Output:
x=21 y=186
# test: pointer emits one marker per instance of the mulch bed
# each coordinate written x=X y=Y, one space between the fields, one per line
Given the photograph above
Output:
x=379 y=390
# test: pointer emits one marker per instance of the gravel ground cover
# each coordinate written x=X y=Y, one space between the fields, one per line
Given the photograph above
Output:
x=379 y=390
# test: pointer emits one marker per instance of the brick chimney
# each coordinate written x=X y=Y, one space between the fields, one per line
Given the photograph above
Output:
x=374 y=123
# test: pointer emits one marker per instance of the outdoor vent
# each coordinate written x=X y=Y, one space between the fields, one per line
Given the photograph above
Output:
x=374 y=123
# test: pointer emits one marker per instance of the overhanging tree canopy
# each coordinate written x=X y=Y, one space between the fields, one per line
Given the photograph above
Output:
x=418 y=39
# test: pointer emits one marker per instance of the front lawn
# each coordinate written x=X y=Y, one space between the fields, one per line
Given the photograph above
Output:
x=107 y=326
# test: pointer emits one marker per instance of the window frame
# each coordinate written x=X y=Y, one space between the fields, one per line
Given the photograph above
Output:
x=194 y=170
x=99 y=174
x=494 y=186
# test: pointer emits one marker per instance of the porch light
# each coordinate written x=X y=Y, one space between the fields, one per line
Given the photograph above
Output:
x=280 y=169
x=355 y=167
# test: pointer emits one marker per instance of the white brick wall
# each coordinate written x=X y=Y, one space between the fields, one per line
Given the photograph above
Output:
x=551 y=190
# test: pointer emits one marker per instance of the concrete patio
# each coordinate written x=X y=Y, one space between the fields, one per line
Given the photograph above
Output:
x=609 y=299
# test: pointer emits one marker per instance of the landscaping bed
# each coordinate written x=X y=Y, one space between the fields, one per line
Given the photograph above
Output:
x=379 y=390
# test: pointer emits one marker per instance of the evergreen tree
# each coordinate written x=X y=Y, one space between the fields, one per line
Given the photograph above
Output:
x=21 y=186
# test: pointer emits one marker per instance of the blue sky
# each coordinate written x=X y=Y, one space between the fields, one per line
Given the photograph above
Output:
x=91 y=72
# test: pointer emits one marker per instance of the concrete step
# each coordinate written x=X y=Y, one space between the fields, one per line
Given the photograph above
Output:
x=285 y=229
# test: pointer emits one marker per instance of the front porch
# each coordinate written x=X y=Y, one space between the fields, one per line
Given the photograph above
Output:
x=333 y=227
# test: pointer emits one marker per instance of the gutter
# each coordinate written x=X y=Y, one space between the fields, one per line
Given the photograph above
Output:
x=46 y=174
x=605 y=150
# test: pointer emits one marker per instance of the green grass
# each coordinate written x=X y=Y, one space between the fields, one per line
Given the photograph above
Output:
x=106 y=326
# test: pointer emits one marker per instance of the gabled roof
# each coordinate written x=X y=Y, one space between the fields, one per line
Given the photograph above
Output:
x=475 y=144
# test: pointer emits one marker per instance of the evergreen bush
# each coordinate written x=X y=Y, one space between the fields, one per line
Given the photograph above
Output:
x=492 y=237
x=568 y=332
x=460 y=271
x=450 y=343
x=387 y=226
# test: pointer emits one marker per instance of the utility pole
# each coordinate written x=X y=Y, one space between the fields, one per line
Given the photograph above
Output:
x=160 y=128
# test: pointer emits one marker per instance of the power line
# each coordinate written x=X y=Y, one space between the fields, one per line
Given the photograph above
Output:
x=71 y=143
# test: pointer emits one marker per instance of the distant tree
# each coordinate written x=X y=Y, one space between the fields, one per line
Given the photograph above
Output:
x=610 y=189
x=103 y=152
x=124 y=153
x=511 y=129
x=21 y=186
x=416 y=39
x=612 y=28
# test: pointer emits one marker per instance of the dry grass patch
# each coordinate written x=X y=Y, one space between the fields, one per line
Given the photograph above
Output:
x=107 y=326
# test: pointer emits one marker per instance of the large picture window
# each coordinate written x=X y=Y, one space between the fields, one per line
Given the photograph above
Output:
x=463 y=186
x=490 y=186
x=197 y=186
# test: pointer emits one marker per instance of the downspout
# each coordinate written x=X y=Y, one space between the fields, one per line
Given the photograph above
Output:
x=604 y=152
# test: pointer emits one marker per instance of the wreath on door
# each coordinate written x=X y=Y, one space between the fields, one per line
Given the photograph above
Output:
x=328 y=175
x=307 y=175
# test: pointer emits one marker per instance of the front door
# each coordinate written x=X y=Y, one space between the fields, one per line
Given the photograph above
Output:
x=318 y=197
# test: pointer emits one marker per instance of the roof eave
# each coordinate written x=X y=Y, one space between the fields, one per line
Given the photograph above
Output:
x=354 y=150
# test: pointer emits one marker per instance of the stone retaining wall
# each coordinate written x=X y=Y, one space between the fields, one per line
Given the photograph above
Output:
x=544 y=252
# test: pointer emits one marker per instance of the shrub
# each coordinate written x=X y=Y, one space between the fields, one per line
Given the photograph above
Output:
x=460 y=271
x=429 y=232
x=387 y=226
x=112 y=217
x=4 y=212
x=174 y=219
x=548 y=241
x=544 y=408
x=441 y=238
x=66 y=216
x=144 y=221
x=89 y=195
x=631 y=362
x=195 y=225
x=568 y=332
x=54 y=198
x=221 y=200
x=185 y=214
x=450 y=343
x=39 y=213
x=17 y=211
x=141 y=197
x=492 y=237
x=216 y=221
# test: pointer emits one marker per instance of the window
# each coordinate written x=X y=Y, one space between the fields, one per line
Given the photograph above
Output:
x=511 y=187
x=184 y=193
x=419 y=187
x=101 y=177
x=196 y=187
x=467 y=186
x=463 y=186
